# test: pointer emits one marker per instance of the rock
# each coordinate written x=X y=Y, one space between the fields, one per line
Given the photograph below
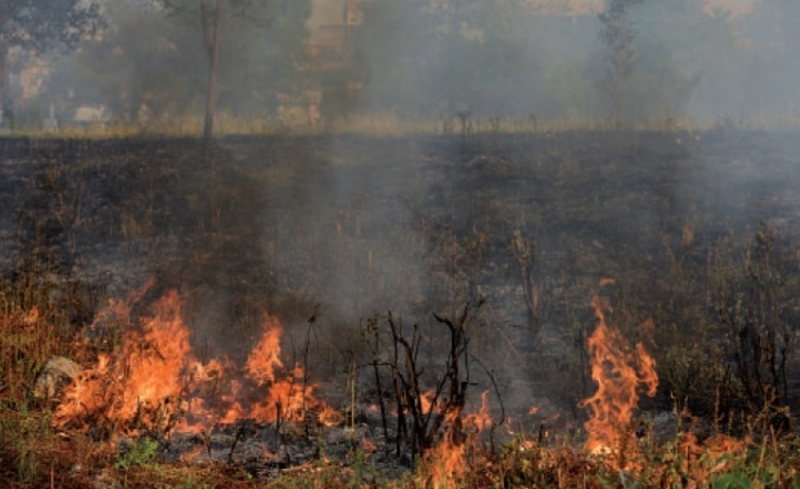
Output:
x=104 y=480
x=56 y=372
x=664 y=427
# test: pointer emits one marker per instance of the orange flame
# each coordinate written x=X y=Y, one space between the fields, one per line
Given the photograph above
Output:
x=152 y=380
x=445 y=462
x=482 y=419
x=702 y=460
x=426 y=400
x=618 y=374
x=142 y=383
x=266 y=356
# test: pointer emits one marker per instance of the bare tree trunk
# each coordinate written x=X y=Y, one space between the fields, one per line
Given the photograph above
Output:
x=4 y=47
x=2 y=83
x=212 y=29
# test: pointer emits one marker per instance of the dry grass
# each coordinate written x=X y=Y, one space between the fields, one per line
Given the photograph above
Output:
x=389 y=125
x=37 y=321
x=33 y=454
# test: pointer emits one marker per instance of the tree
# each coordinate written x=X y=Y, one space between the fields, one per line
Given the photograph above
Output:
x=690 y=62
x=775 y=41
x=618 y=35
x=142 y=64
x=217 y=17
x=40 y=25
x=445 y=56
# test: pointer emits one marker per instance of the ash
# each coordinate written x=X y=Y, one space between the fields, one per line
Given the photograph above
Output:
x=266 y=450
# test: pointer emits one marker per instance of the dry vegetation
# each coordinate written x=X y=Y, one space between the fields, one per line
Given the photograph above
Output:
x=384 y=125
x=717 y=308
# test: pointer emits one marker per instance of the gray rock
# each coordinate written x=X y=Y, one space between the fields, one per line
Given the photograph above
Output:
x=664 y=427
x=56 y=372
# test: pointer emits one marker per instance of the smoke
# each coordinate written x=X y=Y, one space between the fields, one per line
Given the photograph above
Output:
x=353 y=227
x=692 y=61
x=706 y=63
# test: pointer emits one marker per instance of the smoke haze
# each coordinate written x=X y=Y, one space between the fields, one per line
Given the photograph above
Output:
x=513 y=192
x=331 y=61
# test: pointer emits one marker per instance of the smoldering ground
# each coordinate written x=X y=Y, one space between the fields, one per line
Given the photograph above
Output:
x=346 y=229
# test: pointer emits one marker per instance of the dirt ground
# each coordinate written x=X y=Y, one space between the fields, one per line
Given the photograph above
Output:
x=349 y=228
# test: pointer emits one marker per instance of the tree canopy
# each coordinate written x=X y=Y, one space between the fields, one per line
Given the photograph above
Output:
x=443 y=57
x=152 y=66
x=41 y=25
x=217 y=19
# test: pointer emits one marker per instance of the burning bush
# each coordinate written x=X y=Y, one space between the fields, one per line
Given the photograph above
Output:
x=152 y=381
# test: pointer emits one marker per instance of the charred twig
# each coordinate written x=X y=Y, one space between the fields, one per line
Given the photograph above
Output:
x=465 y=116
x=493 y=380
x=524 y=250
x=311 y=321
x=352 y=381
x=371 y=331
x=206 y=439
x=237 y=435
x=445 y=404
x=400 y=404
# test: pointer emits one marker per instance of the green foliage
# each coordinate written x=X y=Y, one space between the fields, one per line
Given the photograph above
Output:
x=143 y=452
x=38 y=25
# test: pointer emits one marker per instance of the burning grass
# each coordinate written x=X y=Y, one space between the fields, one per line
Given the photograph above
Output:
x=152 y=383
x=148 y=386
x=152 y=407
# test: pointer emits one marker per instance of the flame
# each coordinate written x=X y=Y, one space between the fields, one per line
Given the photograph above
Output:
x=31 y=317
x=426 y=400
x=152 y=380
x=482 y=419
x=701 y=461
x=618 y=374
x=142 y=383
x=266 y=356
x=446 y=462
x=289 y=397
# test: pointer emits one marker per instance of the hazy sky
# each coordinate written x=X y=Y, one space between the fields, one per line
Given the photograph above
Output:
x=330 y=11
x=326 y=12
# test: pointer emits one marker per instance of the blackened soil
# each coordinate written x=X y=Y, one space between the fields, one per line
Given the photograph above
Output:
x=352 y=227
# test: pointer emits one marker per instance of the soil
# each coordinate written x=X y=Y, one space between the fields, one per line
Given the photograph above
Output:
x=346 y=228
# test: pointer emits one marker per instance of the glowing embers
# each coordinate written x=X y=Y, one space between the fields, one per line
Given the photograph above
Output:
x=152 y=381
x=619 y=374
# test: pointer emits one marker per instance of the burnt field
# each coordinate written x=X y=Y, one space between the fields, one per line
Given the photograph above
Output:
x=482 y=252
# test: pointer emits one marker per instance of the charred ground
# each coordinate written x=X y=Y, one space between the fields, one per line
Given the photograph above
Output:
x=698 y=231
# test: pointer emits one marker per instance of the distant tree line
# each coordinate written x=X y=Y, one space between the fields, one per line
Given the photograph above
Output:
x=637 y=61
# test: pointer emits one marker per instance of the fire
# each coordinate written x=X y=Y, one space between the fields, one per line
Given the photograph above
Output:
x=446 y=462
x=619 y=374
x=426 y=400
x=152 y=380
x=482 y=419
x=701 y=461
x=266 y=356
x=288 y=397
x=142 y=383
